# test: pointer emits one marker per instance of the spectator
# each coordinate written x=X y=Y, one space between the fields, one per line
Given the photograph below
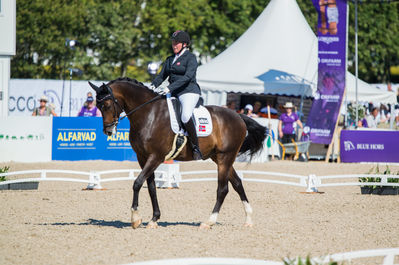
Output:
x=287 y=124
x=374 y=118
x=231 y=105
x=88 y=109
x=257 y=107
x=248 y=110
x=43 y=109
x=89 y=94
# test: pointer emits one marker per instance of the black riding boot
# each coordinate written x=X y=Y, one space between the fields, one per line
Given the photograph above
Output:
x=192 y=134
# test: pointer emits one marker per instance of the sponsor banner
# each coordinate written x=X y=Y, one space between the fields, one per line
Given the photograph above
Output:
x=332 y=69
x=25 y=139
x=82 y=138
x=24 y=95
x=369 y=146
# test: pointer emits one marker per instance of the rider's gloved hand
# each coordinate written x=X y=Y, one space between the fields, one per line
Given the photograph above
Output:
x=153 y=88
x=164 y=91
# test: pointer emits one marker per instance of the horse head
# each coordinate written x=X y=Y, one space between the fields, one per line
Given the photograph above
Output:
x=109 y=107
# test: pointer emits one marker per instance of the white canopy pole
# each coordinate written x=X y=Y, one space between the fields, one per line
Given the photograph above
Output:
x=356 y=67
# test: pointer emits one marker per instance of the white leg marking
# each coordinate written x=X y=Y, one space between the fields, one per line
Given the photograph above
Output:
x=248 y=212
x=136 y=219
x=213 y=218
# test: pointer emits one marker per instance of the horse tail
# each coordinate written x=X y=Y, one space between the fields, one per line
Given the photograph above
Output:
x=256 y=136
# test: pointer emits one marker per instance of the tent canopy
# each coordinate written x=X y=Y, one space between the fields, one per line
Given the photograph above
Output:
x=279 y=40
x=282 y=83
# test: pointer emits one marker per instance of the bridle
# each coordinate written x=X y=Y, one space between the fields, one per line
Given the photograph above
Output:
x=110 y=95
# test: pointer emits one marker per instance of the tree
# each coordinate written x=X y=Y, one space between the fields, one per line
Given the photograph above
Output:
x=42 y=27
x=378 y=40
x=119 y=37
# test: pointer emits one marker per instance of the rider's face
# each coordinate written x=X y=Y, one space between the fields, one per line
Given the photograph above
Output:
x=177 y=46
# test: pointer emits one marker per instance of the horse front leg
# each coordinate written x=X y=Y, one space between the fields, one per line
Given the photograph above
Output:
x=156 y=213
x=148 y=168
x=224 y=162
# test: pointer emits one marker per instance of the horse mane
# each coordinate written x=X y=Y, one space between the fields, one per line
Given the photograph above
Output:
x=130 y=81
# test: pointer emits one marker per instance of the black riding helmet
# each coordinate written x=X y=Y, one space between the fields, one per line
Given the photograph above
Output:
x=181 y=37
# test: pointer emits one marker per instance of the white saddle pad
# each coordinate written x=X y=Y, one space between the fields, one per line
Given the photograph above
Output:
x=202 y=121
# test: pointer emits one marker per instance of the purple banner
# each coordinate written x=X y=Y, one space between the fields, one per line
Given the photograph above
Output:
x=332 y=69
x=369 y=146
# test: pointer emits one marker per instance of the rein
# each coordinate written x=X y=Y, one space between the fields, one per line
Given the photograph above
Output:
x=115 y=101
x=139 y=107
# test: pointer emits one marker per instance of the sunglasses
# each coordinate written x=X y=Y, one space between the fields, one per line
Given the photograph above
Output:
x=43 y=101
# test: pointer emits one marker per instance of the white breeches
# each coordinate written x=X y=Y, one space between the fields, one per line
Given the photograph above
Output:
x=188 y=102
x=332 y=14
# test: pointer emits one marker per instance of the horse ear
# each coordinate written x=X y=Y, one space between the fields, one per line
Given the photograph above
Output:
x=96 y=88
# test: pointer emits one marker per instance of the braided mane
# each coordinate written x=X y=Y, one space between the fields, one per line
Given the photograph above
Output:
x=127 y=79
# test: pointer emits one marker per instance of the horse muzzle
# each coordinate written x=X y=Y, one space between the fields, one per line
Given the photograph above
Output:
x=110 y=129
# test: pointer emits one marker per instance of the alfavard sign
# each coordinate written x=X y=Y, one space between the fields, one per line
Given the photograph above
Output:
x=82 y=138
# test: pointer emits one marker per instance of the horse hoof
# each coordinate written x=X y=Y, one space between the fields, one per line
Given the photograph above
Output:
x=204 y=226
x=248 y=225
x=152 y=225
x=136 y=219
x=136 y=224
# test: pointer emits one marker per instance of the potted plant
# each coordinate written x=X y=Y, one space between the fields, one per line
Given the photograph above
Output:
x=376 y=189
x=16 y=186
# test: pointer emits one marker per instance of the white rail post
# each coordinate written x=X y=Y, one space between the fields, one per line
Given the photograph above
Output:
x=131 y=174
x=384 y=179
x=43 y=174
x=389 y=259
x=94 y=181
x=167 y=176
x=313 y=181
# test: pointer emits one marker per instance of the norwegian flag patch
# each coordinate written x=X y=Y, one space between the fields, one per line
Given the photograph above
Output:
x=202 y=128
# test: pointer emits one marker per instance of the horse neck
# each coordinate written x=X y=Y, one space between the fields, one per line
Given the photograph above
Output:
x=132 y=96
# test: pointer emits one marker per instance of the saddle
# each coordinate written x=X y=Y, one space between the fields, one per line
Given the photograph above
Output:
x=201 y=117
x=202 y=121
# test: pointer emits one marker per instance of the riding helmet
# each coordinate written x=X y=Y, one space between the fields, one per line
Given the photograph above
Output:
x=181 y=36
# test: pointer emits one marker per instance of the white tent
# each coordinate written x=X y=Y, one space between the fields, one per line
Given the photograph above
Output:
x=280 y=39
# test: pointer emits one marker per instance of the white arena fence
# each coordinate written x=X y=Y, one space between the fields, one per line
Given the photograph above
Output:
x=388 y=255
x=172 y=178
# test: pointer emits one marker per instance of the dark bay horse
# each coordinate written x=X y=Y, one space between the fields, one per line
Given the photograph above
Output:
x=151 y=138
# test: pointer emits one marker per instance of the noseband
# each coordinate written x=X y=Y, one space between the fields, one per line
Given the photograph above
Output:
x=100 y=104
x=110 y=95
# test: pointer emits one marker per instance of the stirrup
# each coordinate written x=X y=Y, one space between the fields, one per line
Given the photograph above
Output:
x=197 y=155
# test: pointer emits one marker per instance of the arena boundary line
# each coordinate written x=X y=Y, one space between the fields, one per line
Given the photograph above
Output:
x=387 y=253
x=310 y=182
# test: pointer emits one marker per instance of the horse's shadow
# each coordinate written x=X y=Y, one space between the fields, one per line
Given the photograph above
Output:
x=120 y=224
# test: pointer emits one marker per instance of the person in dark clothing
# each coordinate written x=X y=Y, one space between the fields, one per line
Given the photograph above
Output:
x=181 y=69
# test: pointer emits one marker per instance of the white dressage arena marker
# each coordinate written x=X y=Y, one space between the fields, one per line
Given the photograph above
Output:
x=167 y=176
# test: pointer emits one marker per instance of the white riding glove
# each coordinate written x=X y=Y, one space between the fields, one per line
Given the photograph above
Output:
x=164 y=91
x=153 y=88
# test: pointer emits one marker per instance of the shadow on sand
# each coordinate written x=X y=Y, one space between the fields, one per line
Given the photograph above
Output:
x=120 y=224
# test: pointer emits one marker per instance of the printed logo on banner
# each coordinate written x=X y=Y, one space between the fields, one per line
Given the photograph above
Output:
x=120 y=140
x=349 y=146
x=22 y=137
x=76 y=138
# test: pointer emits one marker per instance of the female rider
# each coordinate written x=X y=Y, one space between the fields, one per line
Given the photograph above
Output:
x=181 y=68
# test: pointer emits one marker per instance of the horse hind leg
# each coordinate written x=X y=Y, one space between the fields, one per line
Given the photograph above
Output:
x=239 y=188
